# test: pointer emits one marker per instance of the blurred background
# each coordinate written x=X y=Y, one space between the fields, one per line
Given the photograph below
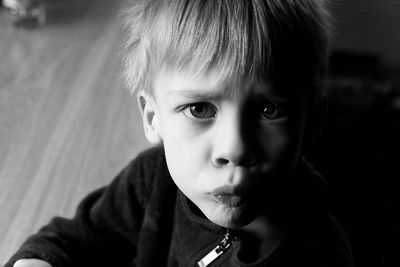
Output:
x=359 y=150
x=67 y=124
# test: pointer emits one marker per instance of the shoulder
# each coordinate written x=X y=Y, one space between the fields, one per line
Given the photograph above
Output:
x=150 y=159
x=146 y=165
x=325 y=231
x=147 y=172
x=333 y=244
x=152 y=154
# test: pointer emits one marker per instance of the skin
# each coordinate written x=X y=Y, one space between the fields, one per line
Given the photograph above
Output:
x=219 y=134
x=236 y=136
x=213 y=137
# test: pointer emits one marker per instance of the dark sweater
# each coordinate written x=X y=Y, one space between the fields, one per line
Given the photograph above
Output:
x=142 y=219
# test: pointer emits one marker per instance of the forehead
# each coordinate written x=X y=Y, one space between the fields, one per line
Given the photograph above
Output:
x=212 y=84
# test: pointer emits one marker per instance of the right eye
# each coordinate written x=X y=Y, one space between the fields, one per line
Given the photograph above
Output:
x=269 y=110
x=199 y=111
x=272 y=111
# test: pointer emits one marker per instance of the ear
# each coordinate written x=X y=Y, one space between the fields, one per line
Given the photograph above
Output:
x=149 y=115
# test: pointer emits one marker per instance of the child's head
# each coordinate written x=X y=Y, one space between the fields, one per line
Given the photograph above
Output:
x=227 y=86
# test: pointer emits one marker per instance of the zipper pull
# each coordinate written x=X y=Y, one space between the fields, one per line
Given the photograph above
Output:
x=217 y=251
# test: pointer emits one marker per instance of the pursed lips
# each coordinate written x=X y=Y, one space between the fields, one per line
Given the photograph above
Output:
x=230 y=196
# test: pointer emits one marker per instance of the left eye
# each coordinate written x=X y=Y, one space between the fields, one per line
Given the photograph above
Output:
x=271 y=111
x=199 y=111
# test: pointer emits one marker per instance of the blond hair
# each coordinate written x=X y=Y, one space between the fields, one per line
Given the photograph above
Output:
x=272 y=39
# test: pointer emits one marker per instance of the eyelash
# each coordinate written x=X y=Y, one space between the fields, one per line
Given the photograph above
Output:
x=208 y=112
x=279 y=111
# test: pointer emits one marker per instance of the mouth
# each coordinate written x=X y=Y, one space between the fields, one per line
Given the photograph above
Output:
x=232 y=201
x=229 y=196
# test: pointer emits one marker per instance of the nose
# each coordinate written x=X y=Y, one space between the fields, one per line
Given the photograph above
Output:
x=233 y=145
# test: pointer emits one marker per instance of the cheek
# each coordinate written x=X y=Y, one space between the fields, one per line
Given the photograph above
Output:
x=274 y=140
x=281 y=143
x=186 y=155
x=187 y=168
x=175 y=126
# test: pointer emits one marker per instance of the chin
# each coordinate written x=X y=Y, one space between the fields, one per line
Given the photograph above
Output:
x=232 y=218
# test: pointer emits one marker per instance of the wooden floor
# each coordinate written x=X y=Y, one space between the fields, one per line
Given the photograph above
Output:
x=67 y=124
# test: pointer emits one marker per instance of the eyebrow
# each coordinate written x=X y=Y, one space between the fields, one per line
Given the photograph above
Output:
x=218 y=93
x=198 y=93
x=271 y=96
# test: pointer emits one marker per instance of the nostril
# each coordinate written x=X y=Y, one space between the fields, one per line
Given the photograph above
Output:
x=248 y=161
x=221 y=161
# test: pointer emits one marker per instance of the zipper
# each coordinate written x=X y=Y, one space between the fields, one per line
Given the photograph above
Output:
x=223 y=246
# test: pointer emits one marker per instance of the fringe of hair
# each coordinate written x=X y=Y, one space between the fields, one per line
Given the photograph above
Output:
x=240 y=38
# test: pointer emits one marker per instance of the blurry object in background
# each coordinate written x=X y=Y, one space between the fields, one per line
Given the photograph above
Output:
x=356 y=64
x=33 y=13
x=26 y=13
x=358 y=152
x=395 y=104
x=356 y=80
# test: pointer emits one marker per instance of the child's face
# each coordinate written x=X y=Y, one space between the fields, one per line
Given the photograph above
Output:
x=224 y=149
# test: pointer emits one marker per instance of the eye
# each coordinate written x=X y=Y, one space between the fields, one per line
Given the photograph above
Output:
x=200 y=111
x=271 y=111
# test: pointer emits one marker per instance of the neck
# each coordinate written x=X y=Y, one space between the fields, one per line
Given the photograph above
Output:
x=260 y=238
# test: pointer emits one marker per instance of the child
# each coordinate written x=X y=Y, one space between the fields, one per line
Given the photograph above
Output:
x=229 y=92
